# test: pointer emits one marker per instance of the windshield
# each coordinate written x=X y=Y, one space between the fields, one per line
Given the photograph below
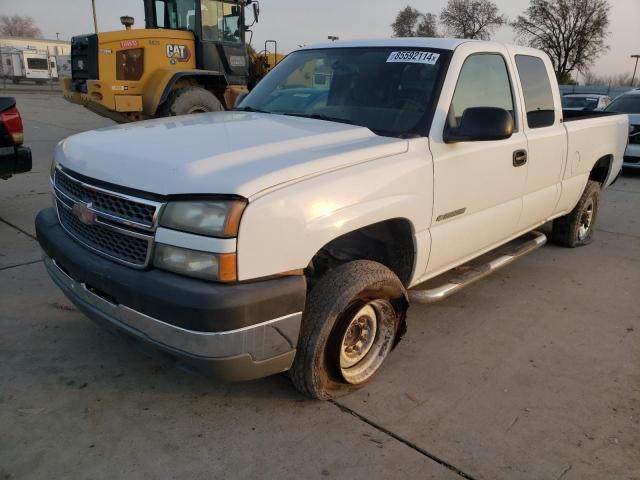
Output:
x=389 y=91
x=625 y=104
x=586 y=103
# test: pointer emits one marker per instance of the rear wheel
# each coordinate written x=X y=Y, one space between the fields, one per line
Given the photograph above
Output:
x=188 y=100
x=353 y=319
x=576 y=229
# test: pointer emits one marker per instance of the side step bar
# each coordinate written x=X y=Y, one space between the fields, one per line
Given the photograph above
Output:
x=465 y=279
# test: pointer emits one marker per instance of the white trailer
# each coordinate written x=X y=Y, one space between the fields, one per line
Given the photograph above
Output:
x=19 y=65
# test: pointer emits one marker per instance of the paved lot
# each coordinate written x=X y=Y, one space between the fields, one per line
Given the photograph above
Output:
x=533 y=373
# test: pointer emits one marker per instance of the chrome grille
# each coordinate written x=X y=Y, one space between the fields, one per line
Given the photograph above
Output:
x=109 y=242
x=125 y=208
x=119 y=227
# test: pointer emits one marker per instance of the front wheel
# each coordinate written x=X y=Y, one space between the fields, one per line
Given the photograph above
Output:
x=354 y=317
x=576 y=229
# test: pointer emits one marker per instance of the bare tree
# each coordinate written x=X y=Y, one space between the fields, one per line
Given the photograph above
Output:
x=619 y=80
x=428 y=26
x=411 y=23
x=572 y=32
x=19 y=26
x=471 y=18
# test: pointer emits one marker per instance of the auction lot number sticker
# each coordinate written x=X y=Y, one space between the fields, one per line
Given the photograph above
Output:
x=416 y=56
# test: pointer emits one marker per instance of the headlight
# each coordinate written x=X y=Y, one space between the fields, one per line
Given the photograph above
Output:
x=193 y=263
x=214 y=218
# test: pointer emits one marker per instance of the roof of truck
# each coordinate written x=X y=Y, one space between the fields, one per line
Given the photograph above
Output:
x=418 y=42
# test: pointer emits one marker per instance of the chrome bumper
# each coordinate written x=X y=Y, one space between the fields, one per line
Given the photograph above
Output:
x=272 y=340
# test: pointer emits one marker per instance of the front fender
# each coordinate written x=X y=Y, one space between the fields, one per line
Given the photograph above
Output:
x=284 y=229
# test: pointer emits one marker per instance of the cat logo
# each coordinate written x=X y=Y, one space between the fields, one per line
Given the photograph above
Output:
x=180 y=53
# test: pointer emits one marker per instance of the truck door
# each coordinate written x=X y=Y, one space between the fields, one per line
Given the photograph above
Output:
x=477 y=185
x=546 y=137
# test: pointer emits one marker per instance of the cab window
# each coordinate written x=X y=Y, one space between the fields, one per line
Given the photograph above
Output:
x=483 y=82
x=176 y=14
x=536 y=87
x=221 y=22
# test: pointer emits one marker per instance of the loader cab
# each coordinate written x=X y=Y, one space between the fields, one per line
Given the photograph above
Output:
x=218 y=27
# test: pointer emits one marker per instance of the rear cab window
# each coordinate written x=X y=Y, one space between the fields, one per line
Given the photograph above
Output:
x=536 y=88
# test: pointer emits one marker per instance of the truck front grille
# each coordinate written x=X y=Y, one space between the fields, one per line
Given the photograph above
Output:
x=108 y=242
x=112 y=224
x=131 y=210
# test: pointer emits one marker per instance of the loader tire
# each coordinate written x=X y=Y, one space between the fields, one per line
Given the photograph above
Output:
x=188 y=100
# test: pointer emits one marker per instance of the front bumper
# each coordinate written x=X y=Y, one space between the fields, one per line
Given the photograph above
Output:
x=14 y=160
x=249 y=346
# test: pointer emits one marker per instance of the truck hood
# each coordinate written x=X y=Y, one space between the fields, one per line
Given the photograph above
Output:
x=238 y=153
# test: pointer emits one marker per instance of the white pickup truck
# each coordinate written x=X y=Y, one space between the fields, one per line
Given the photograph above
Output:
x=288 y=234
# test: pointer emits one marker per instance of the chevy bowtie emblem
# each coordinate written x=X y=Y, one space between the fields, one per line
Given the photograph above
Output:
x=84 y=213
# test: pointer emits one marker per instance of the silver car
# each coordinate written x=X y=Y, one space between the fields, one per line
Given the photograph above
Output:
x=630 y=103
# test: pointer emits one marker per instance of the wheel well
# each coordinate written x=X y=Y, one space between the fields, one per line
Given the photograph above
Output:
x=216 y=84
x=389 y=242
x=600 y=171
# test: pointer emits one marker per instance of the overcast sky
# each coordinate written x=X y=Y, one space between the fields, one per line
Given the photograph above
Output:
x=294 y=22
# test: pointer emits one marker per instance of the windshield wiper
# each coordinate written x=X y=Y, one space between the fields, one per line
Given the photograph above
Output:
x=249 y=109
x=317 y=116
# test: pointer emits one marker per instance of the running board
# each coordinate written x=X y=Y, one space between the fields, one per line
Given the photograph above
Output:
x=465 y=279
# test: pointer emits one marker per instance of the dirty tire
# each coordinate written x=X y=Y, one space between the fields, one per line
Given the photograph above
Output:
x=187 y=100
x=331 y=305
x=569 y=231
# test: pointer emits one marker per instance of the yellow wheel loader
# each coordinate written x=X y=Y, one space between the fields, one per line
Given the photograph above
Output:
x=191 y=57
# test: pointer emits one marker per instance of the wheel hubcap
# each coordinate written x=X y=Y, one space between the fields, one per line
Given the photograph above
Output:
x=586 y=220
x=367 y=341
x=359 y=337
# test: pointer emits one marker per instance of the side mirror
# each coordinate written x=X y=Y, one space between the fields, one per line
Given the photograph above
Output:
x=256 y=11
x=479 y=124
x=241 y=96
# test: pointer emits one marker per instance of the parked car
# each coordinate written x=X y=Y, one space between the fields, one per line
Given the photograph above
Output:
x=629 y=103
x=586 y=102
x=14 y=157
x=248 y=243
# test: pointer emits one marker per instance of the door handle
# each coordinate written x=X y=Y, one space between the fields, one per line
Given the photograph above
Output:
x=520 y=158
